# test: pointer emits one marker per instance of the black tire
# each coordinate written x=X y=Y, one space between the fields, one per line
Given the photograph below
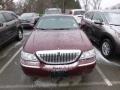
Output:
x=19 y=35
x=107 y=48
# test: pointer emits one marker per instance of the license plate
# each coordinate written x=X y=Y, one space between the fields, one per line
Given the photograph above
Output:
x=59 y=74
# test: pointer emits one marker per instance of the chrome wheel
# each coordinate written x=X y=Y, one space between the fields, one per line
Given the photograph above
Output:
x=20 y=34
x=106 y=48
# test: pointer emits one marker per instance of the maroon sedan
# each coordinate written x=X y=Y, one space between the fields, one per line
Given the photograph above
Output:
x=57 y=47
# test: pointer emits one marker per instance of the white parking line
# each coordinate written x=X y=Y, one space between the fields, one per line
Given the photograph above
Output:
x=115 y=82
x=106 y=80
x=51 y=86
x=11 y=59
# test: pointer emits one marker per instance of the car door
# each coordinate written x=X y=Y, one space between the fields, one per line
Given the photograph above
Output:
x=97 y=28
x=3 y=29
x=10 y=24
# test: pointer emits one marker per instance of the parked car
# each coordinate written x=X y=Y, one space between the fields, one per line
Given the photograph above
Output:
x=29 y=19
x=103 y=27
x=57 y=47
x=77 y=13
x=10 y=27
x=53 y=11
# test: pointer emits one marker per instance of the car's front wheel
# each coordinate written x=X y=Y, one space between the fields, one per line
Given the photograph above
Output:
x=107 y=48
x=19 y=35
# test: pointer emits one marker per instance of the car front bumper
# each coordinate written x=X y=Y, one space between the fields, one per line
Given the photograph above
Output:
x=79 y=67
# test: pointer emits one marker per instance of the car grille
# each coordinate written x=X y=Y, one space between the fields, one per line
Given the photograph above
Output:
x=58 y=56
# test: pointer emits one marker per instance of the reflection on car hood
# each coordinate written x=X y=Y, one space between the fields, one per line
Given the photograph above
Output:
x=59 y=39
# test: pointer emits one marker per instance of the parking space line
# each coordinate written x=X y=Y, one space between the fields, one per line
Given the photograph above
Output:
x=11 y=59
x=51 y=86
x=106 y=80
x=115 y=82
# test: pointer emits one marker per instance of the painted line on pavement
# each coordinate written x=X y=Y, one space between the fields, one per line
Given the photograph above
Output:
x=115 y=82
x=51 y=86
x=106 y=80
x=11 y=59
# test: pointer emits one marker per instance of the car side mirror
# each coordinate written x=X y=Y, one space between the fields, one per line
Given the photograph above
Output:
x=1 y=24
x=98 y=22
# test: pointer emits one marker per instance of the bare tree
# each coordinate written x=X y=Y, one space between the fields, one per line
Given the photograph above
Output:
x=94 y=4
x=85 y=4
x=7 y=4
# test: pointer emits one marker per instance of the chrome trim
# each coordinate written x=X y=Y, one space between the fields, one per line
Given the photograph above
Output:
x=58 y=57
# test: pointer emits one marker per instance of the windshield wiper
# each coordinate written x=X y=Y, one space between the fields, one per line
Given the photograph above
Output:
x=61 y=29
x=115 y=24
x=42 y=28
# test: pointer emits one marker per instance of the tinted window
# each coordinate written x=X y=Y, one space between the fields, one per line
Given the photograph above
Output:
x=97 y=17
x=9 y=16
x=2 y=19
x=57 y=22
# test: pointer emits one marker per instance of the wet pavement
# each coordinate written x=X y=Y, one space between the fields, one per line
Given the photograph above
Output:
x=105 y=76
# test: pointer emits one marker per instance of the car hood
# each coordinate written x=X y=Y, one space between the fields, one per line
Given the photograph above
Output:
x=57 y=40
x=116 y=28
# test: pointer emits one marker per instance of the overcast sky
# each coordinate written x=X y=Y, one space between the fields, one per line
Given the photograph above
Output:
x=109 y=3
x=104 y=4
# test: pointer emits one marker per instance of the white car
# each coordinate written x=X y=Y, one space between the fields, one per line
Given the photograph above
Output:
x=53 y=11
x=77 y=14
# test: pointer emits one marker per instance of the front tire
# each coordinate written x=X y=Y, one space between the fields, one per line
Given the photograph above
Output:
x=107 y=48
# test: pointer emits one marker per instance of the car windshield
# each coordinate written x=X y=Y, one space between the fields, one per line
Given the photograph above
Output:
x=79 y=12
x=57 y=22
x=113 y=18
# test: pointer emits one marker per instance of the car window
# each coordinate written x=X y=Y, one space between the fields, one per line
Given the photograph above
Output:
x=112 y=18
x=2 y=19
x=97 y=17
x=89 y=15
x=14 y=16
x=9 y=16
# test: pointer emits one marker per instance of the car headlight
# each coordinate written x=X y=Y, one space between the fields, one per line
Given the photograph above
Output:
x=28 y=56
x=88 y=54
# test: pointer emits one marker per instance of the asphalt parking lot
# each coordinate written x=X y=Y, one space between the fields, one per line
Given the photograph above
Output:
x=105 y=76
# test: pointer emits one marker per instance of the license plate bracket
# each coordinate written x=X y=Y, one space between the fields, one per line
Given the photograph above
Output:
x=59 y=74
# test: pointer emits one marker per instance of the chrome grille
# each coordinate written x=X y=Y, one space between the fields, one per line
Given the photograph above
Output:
x=58 y=56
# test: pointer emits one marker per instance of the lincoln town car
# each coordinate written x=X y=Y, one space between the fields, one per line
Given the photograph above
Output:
x=57 y=46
